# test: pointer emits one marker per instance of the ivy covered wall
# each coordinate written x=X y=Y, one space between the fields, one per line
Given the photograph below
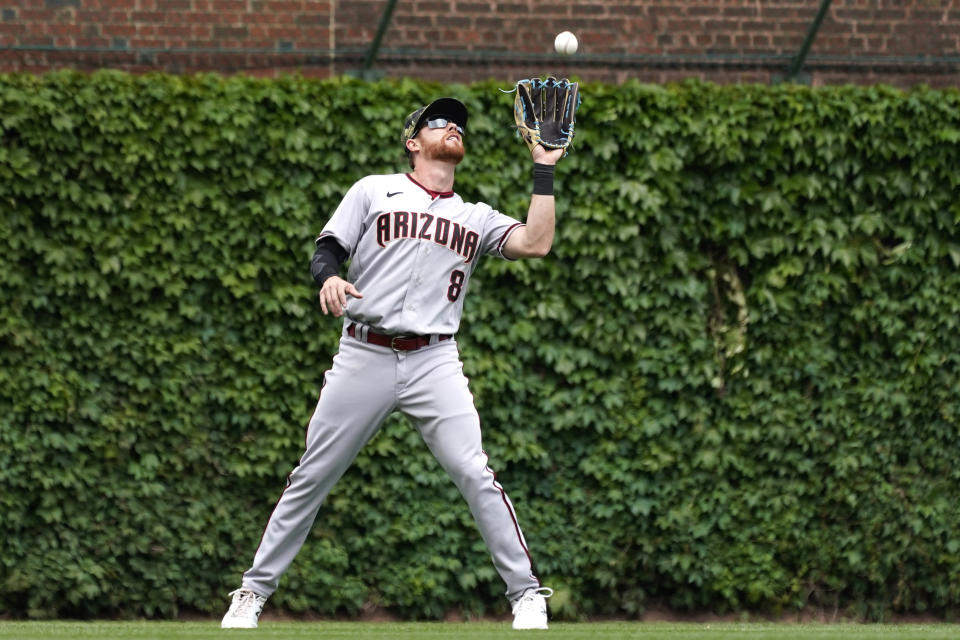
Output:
x=733 y=384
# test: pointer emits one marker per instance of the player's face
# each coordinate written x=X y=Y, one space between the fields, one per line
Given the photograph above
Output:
x=444 y=143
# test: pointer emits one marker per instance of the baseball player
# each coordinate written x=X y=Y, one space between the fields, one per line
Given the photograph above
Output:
x=413 y=245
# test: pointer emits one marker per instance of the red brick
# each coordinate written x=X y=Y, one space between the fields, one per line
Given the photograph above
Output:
x=312 y=18
x=287 y=33
x=683 y=25
x=181 y=32
x=209 y=18
x=430 y=6
x=314 y=36
x=754 y=25
x=889 y=14
x=627 y=10
x=147 y=16
x=703 y=10
x=777 y=13
x=870 y=28
x=87 y=16
x=447 y=21
x=116 y=4
x=741 y=12
x=588 y=10
x=665 y=11
x=118 y=30
x=922 y=14
x=11 y=29
x=37 y=15
x=226 y=33
x=722 y=26
x=289 y=6
x=853 y=15
x=229 y=6
x=92 y=43
x=787 y=42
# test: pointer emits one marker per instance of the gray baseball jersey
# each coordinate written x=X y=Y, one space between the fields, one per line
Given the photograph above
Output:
x=412 y=252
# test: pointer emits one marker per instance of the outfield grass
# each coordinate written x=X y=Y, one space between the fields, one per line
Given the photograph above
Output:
x=470 y=631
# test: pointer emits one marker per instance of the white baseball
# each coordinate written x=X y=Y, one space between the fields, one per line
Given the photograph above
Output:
x=565 y=43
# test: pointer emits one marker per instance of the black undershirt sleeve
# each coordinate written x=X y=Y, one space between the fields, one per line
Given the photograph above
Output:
x=327 y=260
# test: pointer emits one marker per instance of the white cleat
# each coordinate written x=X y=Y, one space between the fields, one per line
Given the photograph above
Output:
x=530 y=610
x=244 y=611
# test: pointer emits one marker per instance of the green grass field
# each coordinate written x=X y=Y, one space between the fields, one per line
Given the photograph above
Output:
x=470 y=631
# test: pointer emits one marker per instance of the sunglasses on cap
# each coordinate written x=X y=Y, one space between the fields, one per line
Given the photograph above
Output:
x=440 y=123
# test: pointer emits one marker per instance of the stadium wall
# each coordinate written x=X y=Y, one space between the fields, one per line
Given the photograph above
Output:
x=897 y=42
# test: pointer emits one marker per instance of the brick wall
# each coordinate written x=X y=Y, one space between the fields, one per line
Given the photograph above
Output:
x=901 y=42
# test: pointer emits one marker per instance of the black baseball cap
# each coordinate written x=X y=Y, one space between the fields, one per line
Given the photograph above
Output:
x=451 y=108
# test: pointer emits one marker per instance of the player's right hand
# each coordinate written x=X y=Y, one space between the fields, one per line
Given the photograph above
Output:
x=333 y=295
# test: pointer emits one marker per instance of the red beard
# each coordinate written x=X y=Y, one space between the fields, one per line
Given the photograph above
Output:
x=444 y=151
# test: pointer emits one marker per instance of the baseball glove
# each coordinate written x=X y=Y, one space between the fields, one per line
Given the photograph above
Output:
x=545 y=111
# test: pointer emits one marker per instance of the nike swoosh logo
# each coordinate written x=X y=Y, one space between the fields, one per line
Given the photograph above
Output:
x=390 y=195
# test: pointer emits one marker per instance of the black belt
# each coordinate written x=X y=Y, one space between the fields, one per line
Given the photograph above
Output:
x=397 y=343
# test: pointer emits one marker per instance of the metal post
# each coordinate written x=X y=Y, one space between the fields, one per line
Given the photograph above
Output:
x=368 y=73
x=801 y=56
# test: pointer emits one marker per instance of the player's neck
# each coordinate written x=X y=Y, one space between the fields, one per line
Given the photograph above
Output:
x=436 y=176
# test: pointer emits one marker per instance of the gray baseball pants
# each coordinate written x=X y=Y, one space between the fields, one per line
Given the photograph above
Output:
x=366 y=384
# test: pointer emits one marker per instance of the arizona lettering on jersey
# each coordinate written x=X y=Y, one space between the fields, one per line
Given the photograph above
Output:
x=412 y=252
x=398 y=225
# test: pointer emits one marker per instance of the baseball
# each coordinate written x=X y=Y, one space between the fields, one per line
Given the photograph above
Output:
x=565 y=43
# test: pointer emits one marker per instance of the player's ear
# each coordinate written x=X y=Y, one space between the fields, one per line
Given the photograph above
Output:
x=413 y=145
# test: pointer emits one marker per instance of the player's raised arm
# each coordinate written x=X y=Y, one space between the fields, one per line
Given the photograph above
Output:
x=534 y=239
x=545 y=112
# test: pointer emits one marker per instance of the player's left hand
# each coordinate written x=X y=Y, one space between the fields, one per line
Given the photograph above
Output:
x=542 y=155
